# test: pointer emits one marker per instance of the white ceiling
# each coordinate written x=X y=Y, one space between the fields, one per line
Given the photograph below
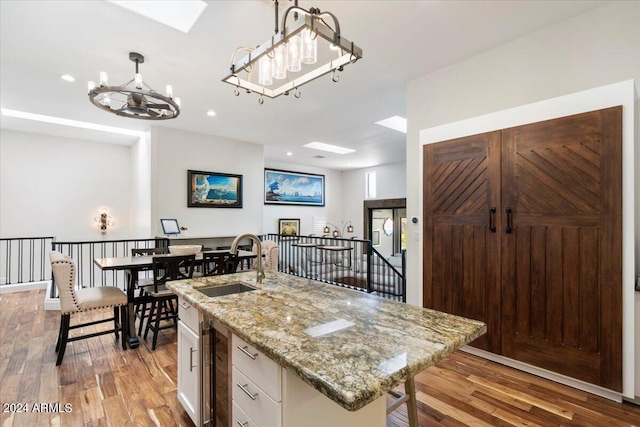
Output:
x=401 y=40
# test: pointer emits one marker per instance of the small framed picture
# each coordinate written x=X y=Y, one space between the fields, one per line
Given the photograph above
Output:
x=289 y=226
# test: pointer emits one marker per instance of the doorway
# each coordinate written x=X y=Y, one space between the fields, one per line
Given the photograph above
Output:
x=385 y=224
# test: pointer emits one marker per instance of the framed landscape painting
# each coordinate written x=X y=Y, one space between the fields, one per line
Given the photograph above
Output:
x=213 y=190
x=293 y=188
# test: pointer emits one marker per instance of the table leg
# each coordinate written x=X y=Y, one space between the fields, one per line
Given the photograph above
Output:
x=131 y=315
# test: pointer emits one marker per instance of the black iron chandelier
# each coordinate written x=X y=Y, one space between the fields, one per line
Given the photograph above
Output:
x=135 y=98
x=291 y=57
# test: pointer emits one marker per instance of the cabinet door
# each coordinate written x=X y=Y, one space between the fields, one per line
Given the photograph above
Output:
x=561 y=262
x=189 y=377
x=461 y=252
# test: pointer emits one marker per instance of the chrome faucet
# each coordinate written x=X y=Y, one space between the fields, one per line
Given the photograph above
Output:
x=256 y=239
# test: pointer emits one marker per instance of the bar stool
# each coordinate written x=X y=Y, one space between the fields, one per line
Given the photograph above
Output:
x=165 y=268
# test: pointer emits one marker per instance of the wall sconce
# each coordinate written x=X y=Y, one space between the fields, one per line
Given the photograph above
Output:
x=336 y=233
x=103 y=221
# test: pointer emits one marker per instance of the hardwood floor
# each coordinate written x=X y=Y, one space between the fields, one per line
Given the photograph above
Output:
x=105 y=386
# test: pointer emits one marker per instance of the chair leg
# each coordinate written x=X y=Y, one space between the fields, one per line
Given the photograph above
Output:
x=59 y=341
x=64 y=334
x=156 y=327
x=150 y=318
x=174 y=313
x=143 y=315
x=116 y=320
x=124 y=325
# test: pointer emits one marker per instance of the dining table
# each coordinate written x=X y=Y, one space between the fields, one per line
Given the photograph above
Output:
x=134 y=264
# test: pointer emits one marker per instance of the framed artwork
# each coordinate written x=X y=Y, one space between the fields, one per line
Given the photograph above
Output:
x=289 y=226
x=293 y=188
x=213 y=190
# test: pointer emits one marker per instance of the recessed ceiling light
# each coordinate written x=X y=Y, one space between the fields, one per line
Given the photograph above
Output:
x=289 y=153
x=180 y=15
x=211 y=113
x=396 y=123
x=67 y=122
x=328 y=147
x=68 y=78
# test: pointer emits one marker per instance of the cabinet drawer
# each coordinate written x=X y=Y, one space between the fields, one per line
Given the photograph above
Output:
x=241 y=419
x=264 y=372
x=254 y=402
x=188 y=314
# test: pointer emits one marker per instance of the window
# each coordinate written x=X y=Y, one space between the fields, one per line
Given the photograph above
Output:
x=370 y=185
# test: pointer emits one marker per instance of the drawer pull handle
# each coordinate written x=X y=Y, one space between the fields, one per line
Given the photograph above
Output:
x=244 y=424
x=184 y=305
x=244 y=350
x=244 y=388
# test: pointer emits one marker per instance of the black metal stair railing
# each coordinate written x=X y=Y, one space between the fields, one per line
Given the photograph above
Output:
x=351 y=263
x=24 y=260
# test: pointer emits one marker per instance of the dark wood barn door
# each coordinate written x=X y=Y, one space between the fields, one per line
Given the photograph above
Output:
x=544 y=269
x=561 y=260
x=461 y=264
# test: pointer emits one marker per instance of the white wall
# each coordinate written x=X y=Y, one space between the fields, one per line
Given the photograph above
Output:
x=140 y=214
x=331 y=211
x=597 y=48
x=173 y=152
x=52 y=186
x=391 y=183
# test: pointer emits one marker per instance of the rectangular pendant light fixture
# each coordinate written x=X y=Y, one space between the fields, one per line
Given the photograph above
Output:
x=289 y=59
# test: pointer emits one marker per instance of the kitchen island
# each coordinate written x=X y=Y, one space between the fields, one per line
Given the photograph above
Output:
x=350 y=346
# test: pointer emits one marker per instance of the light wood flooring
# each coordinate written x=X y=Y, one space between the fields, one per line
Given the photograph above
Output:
x=106 y=386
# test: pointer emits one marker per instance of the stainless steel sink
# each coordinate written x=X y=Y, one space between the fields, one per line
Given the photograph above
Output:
x=228 y=289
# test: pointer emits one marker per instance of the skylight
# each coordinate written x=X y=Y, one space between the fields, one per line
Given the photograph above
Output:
x=396 y=123
x=179 y=15
x=328 y=147
x=67 y=122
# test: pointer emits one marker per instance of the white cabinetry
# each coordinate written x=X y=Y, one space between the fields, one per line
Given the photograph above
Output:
x=267 y=395
x=189 y=369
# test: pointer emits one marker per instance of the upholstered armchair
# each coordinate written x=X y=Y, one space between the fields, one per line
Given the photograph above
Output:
x=74 y=300
x=270 y=253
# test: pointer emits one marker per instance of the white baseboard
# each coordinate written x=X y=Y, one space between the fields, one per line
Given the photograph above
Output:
x=51 y=304
x=553 y=376
x=23 y=287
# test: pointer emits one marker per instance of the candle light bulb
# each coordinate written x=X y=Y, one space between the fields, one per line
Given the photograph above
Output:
x=104 y=79
x=169 y=91
x=279 y=63
x=309 y=44
x=264 y=71
x=293 y=54
x=90 y=86
x=138 y=80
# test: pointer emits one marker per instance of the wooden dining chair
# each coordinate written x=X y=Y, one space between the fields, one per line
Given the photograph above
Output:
x=139 y=283
x=214 y=264
x=165 y=268
x=74 y=301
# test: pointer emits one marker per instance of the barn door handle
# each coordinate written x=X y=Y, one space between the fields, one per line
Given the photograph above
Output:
x=492 y=225
x=509 y=228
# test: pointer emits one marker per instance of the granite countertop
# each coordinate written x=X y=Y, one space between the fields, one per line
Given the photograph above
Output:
x=351 y=346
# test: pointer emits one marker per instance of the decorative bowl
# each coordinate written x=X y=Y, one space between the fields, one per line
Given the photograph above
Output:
x=184 y=249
